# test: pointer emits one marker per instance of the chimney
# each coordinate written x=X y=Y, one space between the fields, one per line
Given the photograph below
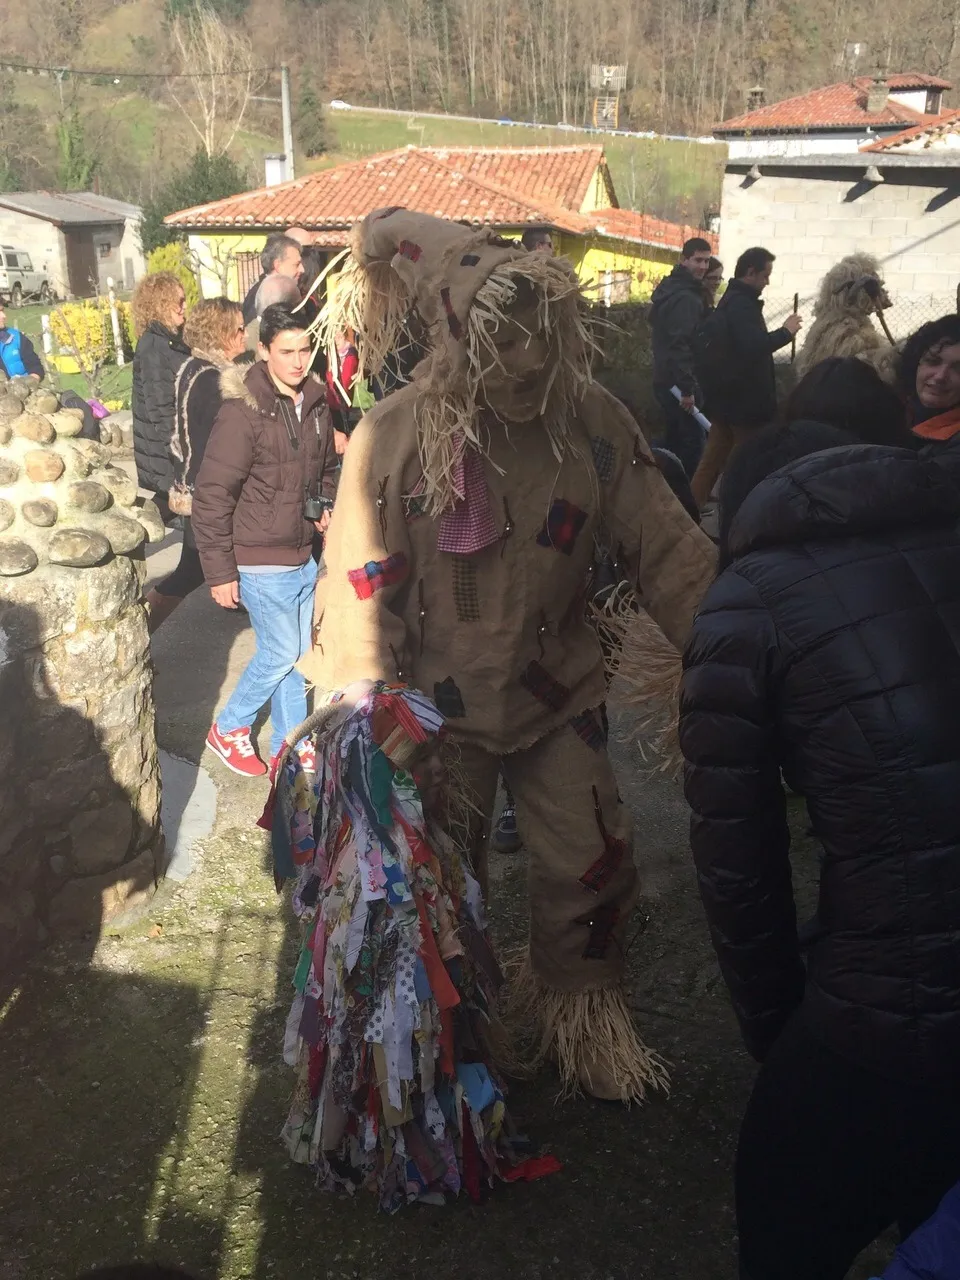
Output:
x=756 y=98
x=877 y=95
x=274 y=170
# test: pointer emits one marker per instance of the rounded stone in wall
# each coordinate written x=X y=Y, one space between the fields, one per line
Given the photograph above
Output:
x=78 y=548
x=6 y=431
x=122 y=488
x=42 y=402
x=8 y=514
x=9 y=472
x=10 y=406
x=43 y=465
x=40 y=511
x=31 y=426
x=22 y=387
x=68 y=422
x=124 y=535
x=16 y=558
x=87 y=495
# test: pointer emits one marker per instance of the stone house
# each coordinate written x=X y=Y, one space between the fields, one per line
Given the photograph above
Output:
x=619 y=254
x=79 y=238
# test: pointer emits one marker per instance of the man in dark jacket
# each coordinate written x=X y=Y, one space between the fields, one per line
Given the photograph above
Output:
x=679 y=306
x=270 y=452
x=280 y=256
x=746 y=396
x=828 y=650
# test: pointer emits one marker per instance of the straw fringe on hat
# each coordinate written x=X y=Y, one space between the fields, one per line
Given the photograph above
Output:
x=463 y=283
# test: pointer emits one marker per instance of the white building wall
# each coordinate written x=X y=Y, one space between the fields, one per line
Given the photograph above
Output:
x=809 y=223
x=807 y=144
x=916 y=98
x=42 y=240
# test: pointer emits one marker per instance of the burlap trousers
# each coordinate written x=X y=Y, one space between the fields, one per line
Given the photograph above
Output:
x=577 y=835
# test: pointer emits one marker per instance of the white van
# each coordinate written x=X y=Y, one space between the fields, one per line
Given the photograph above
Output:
x=19 y=280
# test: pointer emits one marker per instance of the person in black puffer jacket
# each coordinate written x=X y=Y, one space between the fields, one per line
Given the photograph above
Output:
x=159 y=311
x=828 y=651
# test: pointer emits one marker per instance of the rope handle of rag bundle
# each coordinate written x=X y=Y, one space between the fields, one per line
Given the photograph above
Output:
x=324 y=718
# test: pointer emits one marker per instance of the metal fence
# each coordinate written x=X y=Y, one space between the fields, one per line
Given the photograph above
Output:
x=908 y=313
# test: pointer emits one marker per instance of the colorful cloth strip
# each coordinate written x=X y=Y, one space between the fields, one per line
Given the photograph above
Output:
x=377 y=574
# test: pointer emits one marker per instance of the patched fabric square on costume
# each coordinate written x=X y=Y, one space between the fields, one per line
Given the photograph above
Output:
x=377 y=574
x=562 y=526
x=414 y=506
x=538 y=681
x=588 y=727
x=604 y=457
x=449 y=699
x=465 y=596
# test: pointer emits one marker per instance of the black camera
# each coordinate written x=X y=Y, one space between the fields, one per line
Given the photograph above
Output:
x=314 y=506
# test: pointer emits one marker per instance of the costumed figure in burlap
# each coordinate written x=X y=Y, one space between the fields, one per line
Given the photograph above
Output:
x=851 y=294
x=459 y=561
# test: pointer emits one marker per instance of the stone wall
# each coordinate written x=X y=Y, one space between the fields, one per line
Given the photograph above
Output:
x=80 y=835
x=812 y=218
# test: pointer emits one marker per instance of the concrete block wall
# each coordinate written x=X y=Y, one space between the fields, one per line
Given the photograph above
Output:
x=810 y=220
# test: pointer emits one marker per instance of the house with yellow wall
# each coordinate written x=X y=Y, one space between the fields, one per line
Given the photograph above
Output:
x=619 y=254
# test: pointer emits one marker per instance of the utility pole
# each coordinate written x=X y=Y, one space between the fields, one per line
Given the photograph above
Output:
x=287 y=118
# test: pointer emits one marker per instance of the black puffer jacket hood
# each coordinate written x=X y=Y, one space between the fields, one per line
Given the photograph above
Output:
x=830 y=649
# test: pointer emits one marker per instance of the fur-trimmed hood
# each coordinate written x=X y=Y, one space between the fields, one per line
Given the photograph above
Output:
x=252 y=384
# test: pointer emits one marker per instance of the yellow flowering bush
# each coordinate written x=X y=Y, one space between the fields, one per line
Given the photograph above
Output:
x=84 y=330
x=175 y=258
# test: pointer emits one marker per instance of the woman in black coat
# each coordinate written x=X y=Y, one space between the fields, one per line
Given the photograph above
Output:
x=827 y=652
x=159 y=311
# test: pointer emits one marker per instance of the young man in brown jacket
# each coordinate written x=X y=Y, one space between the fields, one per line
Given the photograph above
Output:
x=268 y=471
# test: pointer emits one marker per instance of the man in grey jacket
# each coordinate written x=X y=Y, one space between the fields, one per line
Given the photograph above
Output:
x=679 y=306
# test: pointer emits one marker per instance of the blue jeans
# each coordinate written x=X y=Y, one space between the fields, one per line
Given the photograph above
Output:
x=281 y=612
x=682 y=434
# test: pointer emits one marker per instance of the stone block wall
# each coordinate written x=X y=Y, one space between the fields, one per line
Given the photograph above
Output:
x=812 y=218
x=80 y=836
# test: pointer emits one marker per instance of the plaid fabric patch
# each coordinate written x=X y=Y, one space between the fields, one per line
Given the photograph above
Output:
x=408 y=249
x=449 y=699
x=562 y=526
x=465 y=595
x=377 y=574
x=469 y=260
x=453 y=320
x=614 y=851
x=601 y=922
x=469 y=527
x=588 y=727
x=604 y=457
x=538 y=681
x=414 y=506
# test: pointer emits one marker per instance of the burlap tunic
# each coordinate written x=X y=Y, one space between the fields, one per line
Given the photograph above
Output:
x=499 y=638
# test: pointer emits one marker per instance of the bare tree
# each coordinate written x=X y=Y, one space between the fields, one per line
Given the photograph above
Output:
x=219 y=76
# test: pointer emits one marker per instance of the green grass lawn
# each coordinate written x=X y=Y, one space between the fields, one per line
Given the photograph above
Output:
x=675 y=180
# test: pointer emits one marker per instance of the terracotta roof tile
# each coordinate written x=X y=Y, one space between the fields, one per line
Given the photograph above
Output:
x=935 y=126
x=448 y=184
x=836 y=106
x=625 y=224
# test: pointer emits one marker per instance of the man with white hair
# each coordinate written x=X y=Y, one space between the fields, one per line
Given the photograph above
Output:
x=274 y=290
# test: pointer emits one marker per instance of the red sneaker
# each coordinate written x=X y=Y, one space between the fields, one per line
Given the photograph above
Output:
x=237 y=751
x=308 y=759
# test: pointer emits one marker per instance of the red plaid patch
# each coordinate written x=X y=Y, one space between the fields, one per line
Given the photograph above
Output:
x=562 y=526
x=538 y=681
x=614 y=852
x=588 y=727
x=408 y=249
x=377 y=574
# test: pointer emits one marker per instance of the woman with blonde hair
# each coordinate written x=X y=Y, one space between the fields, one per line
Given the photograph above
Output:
x=159 y=310
x=215 y=334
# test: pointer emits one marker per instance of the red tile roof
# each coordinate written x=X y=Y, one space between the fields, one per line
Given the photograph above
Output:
x=836 y=106
x=497 y=186
x=626 y=224
x=420 y=177
x=936 y=126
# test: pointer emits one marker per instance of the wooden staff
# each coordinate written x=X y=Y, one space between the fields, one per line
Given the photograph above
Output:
x=883 y=325
x=793 y=340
